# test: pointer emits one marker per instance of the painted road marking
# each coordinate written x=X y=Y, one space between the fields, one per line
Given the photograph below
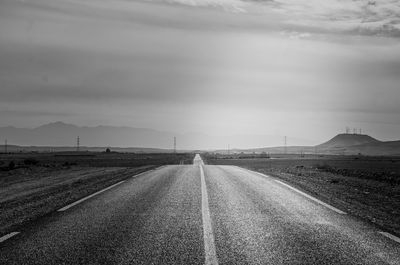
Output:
x=103 y=190
x=197 y=160
x=298 y=191
x=311 y=198
x=209 y=246
x=8 y=236
x=88 y=197
x=254 y=172
x=148 y=171
x=392 y=237
x=137 y=175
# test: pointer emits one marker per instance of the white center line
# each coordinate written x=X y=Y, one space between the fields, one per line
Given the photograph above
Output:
x=209 y=246
x=88 y=197
x=8 y=236
x=392 y=237
x=311 y=198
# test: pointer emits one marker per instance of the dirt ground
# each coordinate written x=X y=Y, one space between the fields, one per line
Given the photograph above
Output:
x=94 y=159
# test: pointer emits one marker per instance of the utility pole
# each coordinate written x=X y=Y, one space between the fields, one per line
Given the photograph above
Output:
x=229 y=149
x=77 y=144
x=174 y=144
x=5 y=146
x=285 y=145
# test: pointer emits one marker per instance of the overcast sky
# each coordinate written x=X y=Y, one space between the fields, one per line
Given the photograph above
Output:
x=303 y=68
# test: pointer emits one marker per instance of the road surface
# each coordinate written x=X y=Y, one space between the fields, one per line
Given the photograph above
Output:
x=199 y=214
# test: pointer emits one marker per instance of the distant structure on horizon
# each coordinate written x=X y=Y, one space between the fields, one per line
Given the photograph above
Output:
x=355 y=131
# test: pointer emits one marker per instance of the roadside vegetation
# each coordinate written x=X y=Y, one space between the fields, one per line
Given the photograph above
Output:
x=367 y=187
x=33 y=185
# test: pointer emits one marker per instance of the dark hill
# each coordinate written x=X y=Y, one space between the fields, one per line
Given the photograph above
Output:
x=347 y=140
x=341 y=144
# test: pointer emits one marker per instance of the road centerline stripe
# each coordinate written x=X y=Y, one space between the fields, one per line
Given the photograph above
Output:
x=88 y=197
x=209 y=245
x=8 y=236
x=311 y=198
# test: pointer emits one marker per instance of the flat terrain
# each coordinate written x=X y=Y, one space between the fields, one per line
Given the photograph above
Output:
x=96 y=159
x=184 y=214
x=368 y=187
x=28 y=192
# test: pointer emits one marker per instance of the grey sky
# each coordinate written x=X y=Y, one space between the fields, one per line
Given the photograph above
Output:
x=300 y=68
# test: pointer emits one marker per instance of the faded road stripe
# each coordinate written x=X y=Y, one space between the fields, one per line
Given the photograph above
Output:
x=392 y=237
x=209 y=246
x=8 y=236
x=88 y=197
x=298 y=191
x=252 y=171
x=103 y=190
x=311 y=198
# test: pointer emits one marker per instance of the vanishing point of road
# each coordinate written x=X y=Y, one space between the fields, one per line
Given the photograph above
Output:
x=199 y=214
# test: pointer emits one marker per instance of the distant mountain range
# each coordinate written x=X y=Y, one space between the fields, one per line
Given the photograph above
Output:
x=59 y=134
x=62 y=134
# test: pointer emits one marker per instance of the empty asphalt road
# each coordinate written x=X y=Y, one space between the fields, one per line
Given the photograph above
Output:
x=200 y=214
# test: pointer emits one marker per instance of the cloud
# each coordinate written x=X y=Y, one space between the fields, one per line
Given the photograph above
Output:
x=167 y=66
x=365 y=17
x=380 y=17
x=227 y=5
